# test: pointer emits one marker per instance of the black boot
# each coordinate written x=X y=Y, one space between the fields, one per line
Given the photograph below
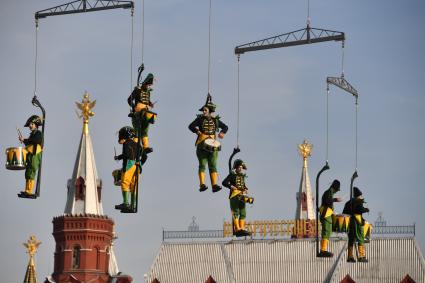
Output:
x=148 y=150
x=216 y=188
x=351 y=259
x=203 y=187
x=119 y=206
x=325 y=254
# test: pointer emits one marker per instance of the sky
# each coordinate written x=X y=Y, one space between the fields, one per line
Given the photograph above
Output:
x=282 y=102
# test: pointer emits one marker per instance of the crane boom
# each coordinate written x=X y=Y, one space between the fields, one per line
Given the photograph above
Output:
x=82 y=6
x=307 y=35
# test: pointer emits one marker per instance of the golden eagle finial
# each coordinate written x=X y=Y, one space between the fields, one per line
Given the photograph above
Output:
x=86 y=106
x=304 y=150
x=32 y=246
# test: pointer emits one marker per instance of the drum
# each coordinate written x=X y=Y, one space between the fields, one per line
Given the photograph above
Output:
x=340 y=223
x=117 y=177
x=150 y=116
x=211 y=145
x=367 y=230
x=15 y=158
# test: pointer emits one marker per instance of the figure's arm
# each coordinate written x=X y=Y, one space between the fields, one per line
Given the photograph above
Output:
x=327 y=199
x=194 y=126
x=33 y=139
x=361 y=208
x=227 y=182
x=223 y=127
x=132 y=96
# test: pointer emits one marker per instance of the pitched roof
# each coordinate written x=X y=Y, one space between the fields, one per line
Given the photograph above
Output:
x=390 y=260
x=285 y=261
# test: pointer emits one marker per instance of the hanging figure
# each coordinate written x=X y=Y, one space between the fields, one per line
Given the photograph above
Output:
x=33 y=154
x=141 y=105
x=205 y=127
x=326 y=215
x=355 y=209
x=235 y=181
x=127 y=137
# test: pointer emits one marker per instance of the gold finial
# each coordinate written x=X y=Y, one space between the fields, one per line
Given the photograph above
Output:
x=304 y=150
x=85 y=106
x=32 y=246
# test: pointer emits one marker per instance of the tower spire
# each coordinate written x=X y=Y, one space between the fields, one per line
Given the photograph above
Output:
x=305 y=208
x=31 y=245
x=84 y=188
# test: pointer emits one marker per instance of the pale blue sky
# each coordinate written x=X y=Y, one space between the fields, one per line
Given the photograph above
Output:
x=282 y=102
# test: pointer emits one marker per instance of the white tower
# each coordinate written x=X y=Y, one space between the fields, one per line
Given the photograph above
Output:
x=305 y=209
x=84 y=188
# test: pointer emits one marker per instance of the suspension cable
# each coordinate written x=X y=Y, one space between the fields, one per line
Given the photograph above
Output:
x=327 y=123
x=308 y=13
x=342 y=60
x=356 y=135
x=131 y=48
x=209 y=49
x=36 y=57
x=143 y=27
x=237 y=123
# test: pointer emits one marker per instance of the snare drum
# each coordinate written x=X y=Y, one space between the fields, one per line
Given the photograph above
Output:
x=15 y=158
x=211 y=145
x=340 y=223
x=117 y=177
x=150 y=116
x=367 y=230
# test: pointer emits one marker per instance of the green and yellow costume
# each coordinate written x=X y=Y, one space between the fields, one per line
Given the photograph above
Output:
x=235 y=181
x=129 y=166
x=206 y=127
x=326 y=215
x=33 y=152
x=141 y=116
x=355 y=209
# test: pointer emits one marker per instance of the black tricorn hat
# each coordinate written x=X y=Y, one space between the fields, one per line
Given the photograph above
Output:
x=211 y=106
x=126 y=132
x=335 y=185
x=239 y=162
x=148 y=80
x=356 y=192
x=33 y=119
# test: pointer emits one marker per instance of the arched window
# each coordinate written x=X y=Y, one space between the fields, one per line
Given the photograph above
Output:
x=76 y=257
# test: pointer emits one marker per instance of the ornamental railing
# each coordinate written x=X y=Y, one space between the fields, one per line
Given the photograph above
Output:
x=279 y=229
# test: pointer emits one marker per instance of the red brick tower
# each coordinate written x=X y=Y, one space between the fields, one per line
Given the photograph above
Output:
x=83 y=234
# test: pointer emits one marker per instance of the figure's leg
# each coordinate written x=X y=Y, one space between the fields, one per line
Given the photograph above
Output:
x=242 y=216
x=212 y=165
x=360 y=243
x=133 y=191
x=144 y=128
x=126 y=180
x=33 y=163
x=326 y=233
x=235 y=216
x=203 y=160
x=351 y=241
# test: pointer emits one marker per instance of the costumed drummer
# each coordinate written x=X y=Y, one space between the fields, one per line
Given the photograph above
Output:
x=326 y=215
x=127 y=137
x=141 y=116
x=33 y=153
x=235 y=181
x=355 y=209
x=205 y=126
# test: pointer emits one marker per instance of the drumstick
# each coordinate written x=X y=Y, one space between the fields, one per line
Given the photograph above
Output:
x=115 y=153
x=19 y=134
